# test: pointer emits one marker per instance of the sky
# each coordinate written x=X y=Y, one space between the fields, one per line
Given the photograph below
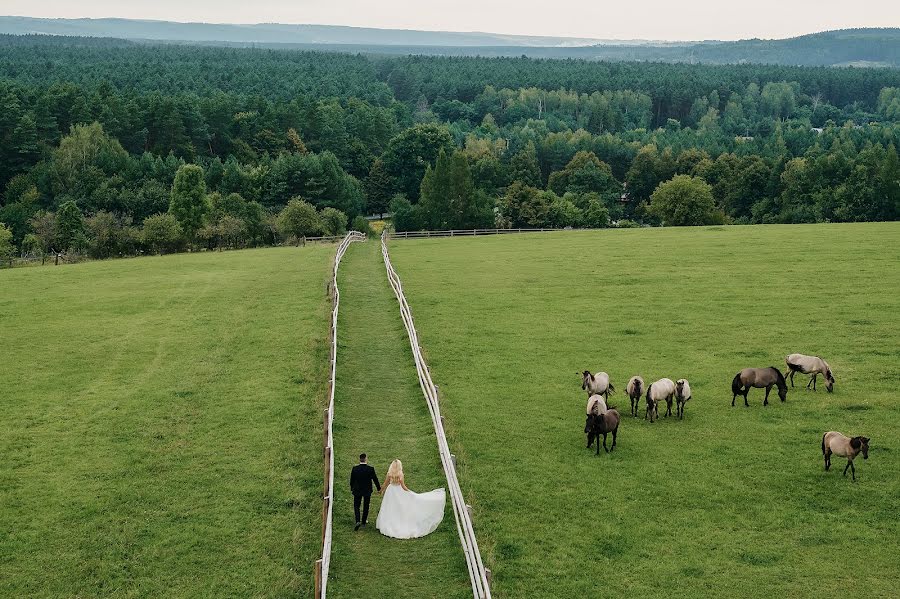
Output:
x=621 y=19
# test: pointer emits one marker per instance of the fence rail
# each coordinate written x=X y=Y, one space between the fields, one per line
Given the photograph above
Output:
x=323 y=564
x=478 y=574
x=464 y=233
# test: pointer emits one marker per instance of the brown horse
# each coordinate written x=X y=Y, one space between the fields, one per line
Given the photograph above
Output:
x=601 y=424
x=759 y=378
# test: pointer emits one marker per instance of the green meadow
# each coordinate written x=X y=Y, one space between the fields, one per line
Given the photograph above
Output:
x=161 y=425
x=731 y=501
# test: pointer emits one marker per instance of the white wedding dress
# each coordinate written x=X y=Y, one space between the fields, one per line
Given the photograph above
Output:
x=409 y=515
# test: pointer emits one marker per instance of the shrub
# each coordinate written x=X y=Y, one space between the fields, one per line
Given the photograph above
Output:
x=162 y=233
x=406 y=216
x=684 y=201
x=299 y=219
x=334 y=222
x=362 y=225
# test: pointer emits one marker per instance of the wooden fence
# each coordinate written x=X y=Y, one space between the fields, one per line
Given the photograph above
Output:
x=464 y=233
x=478 y=574
x=324 y=563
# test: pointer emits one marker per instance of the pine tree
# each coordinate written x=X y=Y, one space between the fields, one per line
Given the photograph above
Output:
x=188 y=202
x=380 y=188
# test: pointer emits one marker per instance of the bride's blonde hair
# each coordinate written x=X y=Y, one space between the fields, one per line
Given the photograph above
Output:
x=394 y=473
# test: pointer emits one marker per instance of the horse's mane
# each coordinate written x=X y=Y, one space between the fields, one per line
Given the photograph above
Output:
x=779 y=376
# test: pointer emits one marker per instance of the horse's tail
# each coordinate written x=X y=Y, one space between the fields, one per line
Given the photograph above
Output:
x=823 y=443
x=637 y=387
x=650 y=386
x=611 y=388
x=736 y=384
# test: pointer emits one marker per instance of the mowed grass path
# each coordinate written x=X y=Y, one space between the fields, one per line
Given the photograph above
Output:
x=380 y=410
x=161 y=425
x=729 y=502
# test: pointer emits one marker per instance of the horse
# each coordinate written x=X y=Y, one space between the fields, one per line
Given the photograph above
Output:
x=601 y=424
x=635 y=389
x=682 y=395
x=661 y=390
x=809 y=365
x=596 y=405
x=759 y=378
x=841 y=445
x=596 y=384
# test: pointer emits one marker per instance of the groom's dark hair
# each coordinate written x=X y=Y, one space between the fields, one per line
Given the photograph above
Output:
x=362 y=457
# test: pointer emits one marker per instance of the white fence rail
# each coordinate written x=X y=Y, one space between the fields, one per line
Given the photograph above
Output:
x=478 y=574
x=464 y=233
x=323 y=564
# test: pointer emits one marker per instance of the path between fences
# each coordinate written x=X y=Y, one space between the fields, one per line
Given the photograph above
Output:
x=379 y=409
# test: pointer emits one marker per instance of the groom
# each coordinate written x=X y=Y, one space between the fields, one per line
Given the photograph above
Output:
x=361 y=478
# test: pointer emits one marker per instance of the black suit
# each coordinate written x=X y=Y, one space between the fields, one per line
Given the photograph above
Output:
x=361 y=478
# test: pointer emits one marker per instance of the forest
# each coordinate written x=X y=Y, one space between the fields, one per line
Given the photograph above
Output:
x=112 y=148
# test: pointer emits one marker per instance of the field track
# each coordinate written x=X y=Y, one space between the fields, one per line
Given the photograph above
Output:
x=379 y=409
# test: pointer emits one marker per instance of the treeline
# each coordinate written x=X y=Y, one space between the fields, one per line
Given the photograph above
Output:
x=105 y=128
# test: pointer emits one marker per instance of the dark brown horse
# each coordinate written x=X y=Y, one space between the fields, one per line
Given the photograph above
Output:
x=759 y=378
x=601 y=424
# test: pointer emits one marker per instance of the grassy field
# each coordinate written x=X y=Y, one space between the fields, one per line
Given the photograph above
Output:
x=160 y=425
x=380 y=410
x=730 y=501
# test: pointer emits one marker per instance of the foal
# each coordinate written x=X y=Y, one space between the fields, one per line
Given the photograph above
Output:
x=841 y=445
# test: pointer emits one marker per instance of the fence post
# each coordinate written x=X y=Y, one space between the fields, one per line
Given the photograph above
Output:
x=487 y=574
x=453 y=459
x=317 y=578
x=469 y=510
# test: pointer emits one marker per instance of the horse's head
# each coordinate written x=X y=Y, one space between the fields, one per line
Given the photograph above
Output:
x=679 y=386
x=861 y=444
x=586 y=377
x=587 y=424
x=829 y=380
x=782 y=392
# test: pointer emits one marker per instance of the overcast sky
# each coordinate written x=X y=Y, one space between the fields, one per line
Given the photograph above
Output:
x=621 y=19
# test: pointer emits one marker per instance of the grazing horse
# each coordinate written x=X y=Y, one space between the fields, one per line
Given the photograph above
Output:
x=596 y=384
x=661 y=390
x=759 y=378
x=841 y=445
x=635 y=389
x=809 y=365
x=682 y=395
x=601 y=424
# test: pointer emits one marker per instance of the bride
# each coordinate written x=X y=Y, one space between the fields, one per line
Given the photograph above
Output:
x=405 y=514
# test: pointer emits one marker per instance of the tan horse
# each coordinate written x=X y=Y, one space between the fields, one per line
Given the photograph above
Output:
x=759 y=378
x=813 y=365
x=841 y=445
x=661 y=390
x=635 y=389
x=596 y=384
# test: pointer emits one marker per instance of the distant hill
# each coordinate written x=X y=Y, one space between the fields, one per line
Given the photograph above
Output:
x=876 y=47
x=271 y=33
